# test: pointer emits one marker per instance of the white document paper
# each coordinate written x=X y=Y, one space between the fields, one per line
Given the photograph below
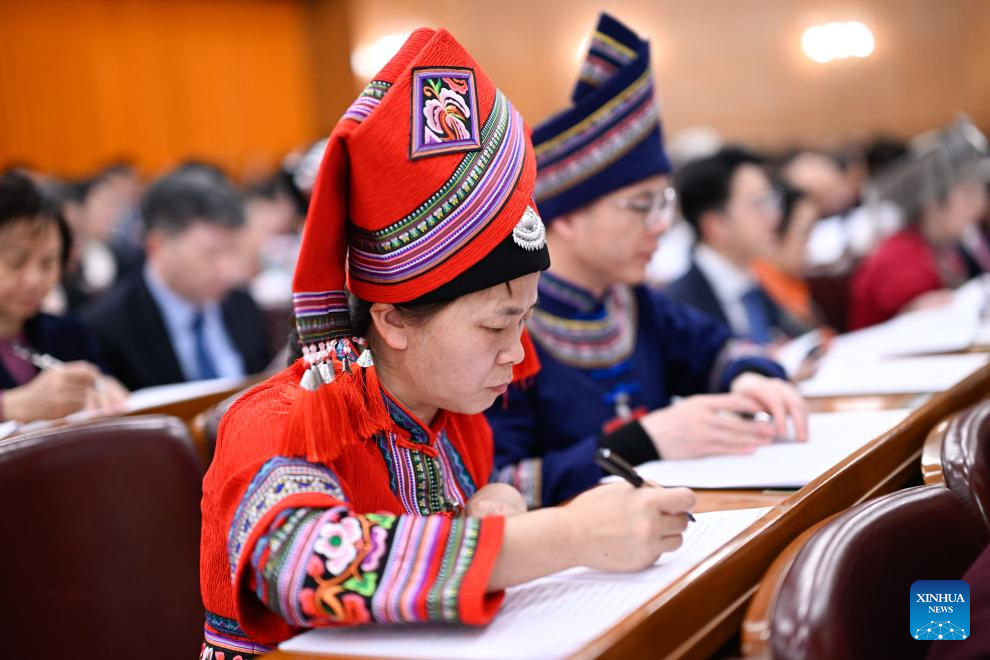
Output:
x=551 y=617
x=9 y=428
x=945 y=329
x=982 y=338
x=832 y=437
x=793 y=354
x=911 y=375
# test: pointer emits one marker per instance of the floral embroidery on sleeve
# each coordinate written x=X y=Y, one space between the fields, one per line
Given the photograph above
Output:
x=332 y=567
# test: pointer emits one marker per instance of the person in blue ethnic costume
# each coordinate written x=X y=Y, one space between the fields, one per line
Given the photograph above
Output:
x=613 y=352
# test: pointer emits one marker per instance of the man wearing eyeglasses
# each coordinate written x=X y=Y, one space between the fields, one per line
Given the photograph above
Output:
x=614 y=353
x=734 y=209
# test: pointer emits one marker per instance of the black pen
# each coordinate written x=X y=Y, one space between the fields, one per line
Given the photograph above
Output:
x=615 y=465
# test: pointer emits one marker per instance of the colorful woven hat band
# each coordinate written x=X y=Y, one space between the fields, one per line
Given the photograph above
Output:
x=611 y=136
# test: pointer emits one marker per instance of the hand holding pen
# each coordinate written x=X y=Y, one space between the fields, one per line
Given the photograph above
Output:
x=617 y=466
x=621 y=528
x=60 y=389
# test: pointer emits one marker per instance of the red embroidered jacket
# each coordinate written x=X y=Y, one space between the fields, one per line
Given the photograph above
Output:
x=376 y=536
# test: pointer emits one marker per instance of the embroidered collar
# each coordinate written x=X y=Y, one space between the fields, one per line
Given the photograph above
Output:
x=581 y=331
x=419 y=432
x=556 y=292
x=425 y=471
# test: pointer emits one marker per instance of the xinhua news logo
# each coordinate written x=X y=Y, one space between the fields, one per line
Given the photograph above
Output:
x=940 y=610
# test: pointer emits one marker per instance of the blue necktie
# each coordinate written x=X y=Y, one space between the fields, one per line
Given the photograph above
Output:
x=204 y=365
x=756 y=312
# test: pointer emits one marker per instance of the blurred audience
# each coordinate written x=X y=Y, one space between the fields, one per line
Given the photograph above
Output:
x=34 y=247
x=181 y=317
x=975 y=245
x=941 y=186
x=103 y=215
x=272 y=241
x=823 y=179
x=781 y=271
x=734 y=210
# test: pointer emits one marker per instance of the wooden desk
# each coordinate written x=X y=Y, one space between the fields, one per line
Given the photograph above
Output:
x=701 y=611
x=187 y=407
x=184 y=407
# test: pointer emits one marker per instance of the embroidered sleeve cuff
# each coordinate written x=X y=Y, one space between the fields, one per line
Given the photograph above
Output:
x=526 y=476
x=631 y=442
x=477 y=605
x=331 y=567
x=739 y=356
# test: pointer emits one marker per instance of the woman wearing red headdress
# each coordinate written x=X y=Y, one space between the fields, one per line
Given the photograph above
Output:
x=352 y=487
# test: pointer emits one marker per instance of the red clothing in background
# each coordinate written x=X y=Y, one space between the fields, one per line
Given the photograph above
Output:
x=902 y=268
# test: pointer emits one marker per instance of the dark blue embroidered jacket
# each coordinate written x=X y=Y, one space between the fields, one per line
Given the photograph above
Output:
x=546 y=435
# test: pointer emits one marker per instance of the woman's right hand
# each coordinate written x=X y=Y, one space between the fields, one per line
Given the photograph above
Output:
x=616 y=527
x=52 y=394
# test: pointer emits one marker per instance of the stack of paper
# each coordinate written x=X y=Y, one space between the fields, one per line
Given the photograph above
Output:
x=551 y=617
x=832 y=437
x=949 y=329
x=913 y=375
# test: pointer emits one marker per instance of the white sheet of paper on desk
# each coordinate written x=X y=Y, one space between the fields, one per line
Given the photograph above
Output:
x=944 y=329
x=832 y=437
x=793 y=354
x=551 y=617
x=8 y=428
x=983 y=334
x=161 y=395
x=910 y=375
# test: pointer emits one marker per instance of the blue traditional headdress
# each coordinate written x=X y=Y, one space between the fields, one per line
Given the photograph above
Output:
x=611 y=136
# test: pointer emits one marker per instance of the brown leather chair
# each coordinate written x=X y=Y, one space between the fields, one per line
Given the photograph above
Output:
x=842 y=590
x=101 y=542
x=830 y=292
x=965 y=458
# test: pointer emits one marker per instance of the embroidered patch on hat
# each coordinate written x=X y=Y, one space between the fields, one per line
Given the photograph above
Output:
x=529 y=233
x=444 y=112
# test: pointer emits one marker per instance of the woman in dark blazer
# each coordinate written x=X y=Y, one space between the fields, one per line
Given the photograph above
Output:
x=34 y=246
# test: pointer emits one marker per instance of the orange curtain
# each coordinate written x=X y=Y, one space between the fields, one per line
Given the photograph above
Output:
x=154 y=81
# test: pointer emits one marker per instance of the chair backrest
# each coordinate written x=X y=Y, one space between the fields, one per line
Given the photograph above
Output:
x=966 y=458
x=101 y=550
x=831 y=294
x=846 y=592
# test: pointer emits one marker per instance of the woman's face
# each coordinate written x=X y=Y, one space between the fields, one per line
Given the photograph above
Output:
x=30 y=264
x=461 y=359
x=794 y=244
x=966 y=204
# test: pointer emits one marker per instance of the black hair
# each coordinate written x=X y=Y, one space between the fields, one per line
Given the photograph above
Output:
x=192 y=193
x=882 y=152
x=416 y=313
x=789 y=197
x=21 y=199
x=704 y=185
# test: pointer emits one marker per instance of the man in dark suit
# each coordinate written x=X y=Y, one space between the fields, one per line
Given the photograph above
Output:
x=180 y=318
x=734 y=209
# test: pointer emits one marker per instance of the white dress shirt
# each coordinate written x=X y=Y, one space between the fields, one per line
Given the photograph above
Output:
x=729 y=282
x=178 y=314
